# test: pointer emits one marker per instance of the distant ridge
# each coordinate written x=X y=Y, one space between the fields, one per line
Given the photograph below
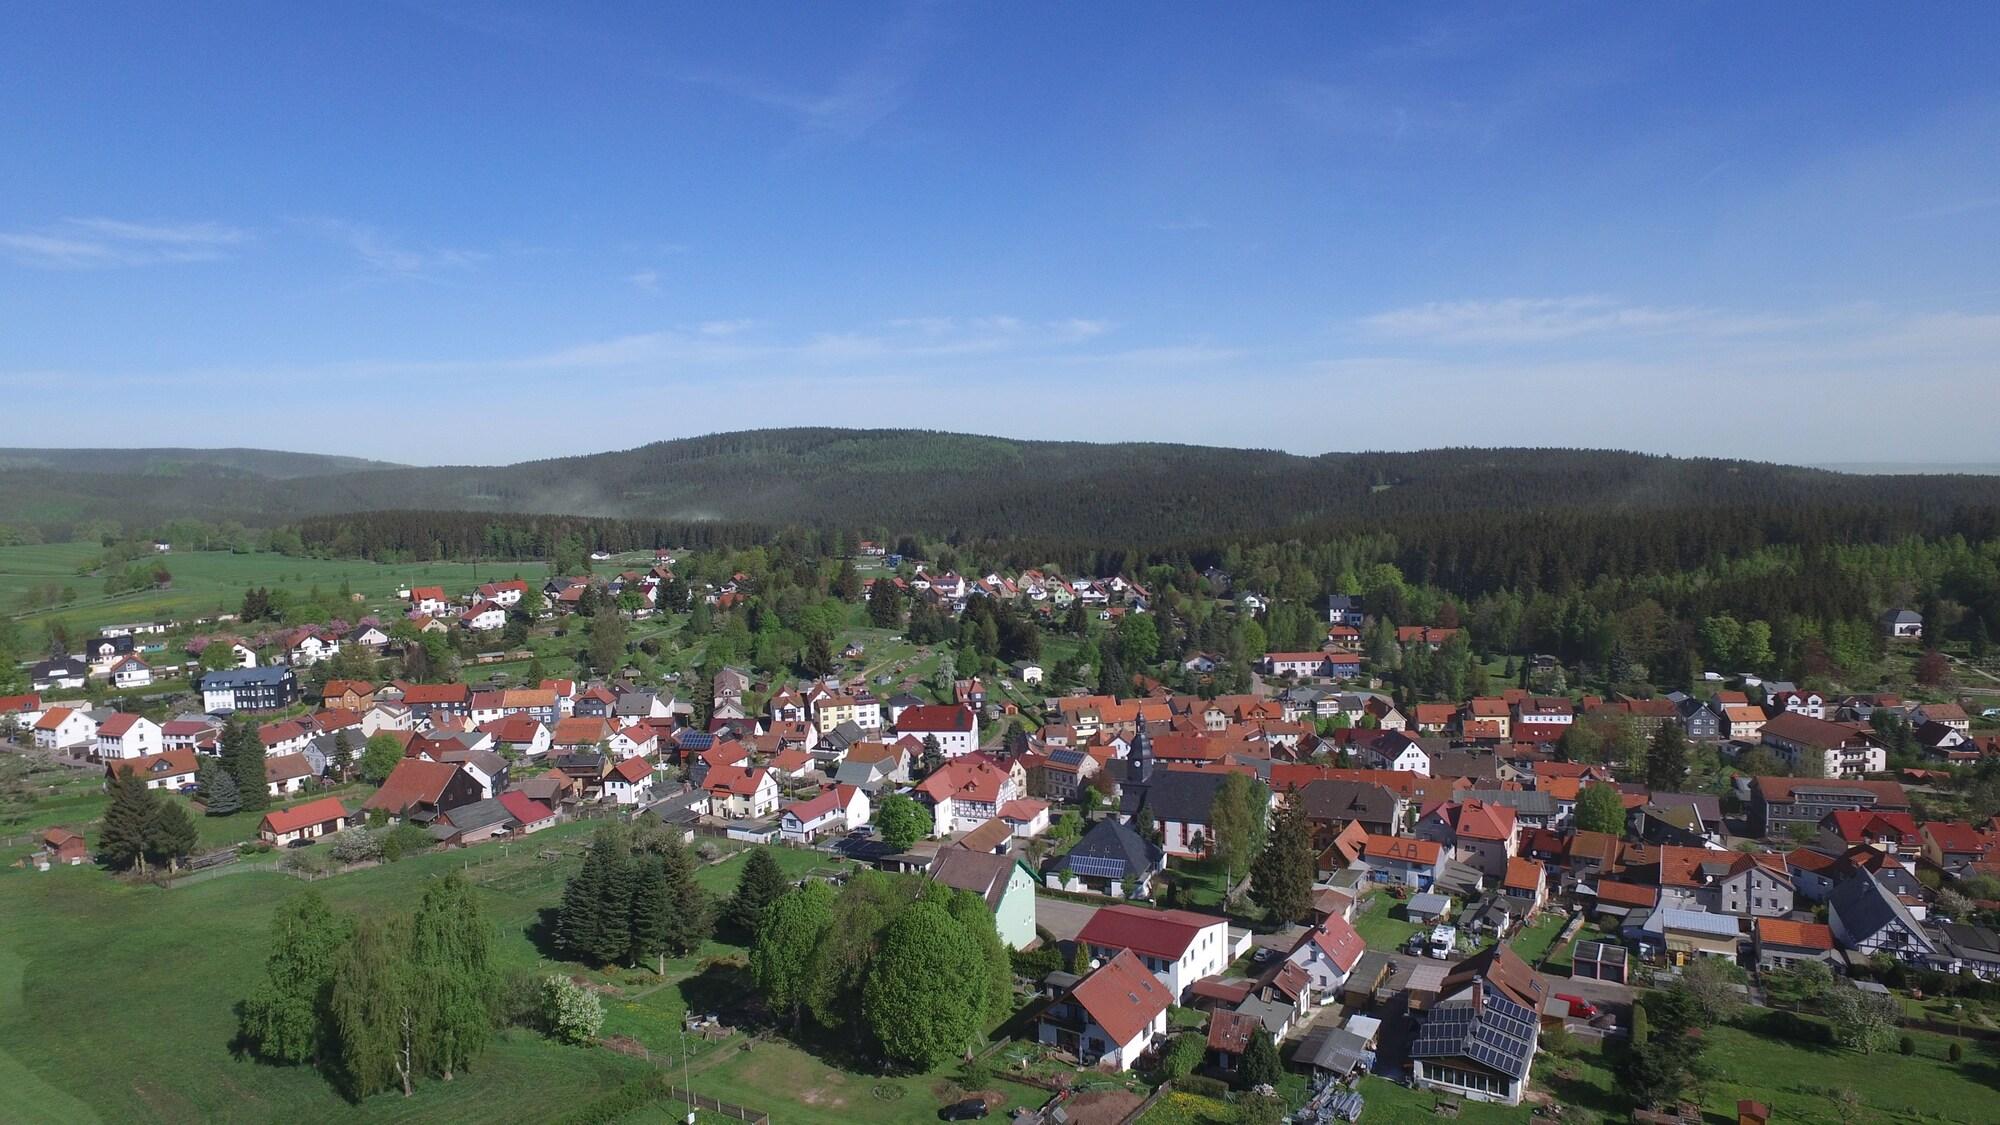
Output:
x=947 y=483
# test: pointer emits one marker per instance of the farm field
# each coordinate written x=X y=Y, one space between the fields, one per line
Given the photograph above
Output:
x=207 y=582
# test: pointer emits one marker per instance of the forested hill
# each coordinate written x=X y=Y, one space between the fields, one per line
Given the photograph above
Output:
x=273 y=463
x=984 y=487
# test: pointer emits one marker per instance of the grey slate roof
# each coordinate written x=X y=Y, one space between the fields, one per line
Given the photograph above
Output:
x=1111 y=844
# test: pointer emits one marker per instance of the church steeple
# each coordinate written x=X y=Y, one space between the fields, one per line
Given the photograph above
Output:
x=1139 y=759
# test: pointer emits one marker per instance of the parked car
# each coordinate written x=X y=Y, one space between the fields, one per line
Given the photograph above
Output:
x=1579 y=1008
x=971 y=1109
x=190 y=788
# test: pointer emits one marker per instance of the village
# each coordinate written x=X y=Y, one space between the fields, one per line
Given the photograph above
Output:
x=1267 y=883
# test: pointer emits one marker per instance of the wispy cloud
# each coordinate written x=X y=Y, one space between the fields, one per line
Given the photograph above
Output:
x=861 y=97
x=385 y=255
x=645 y=280
x=96 y=243
x=1542 y=320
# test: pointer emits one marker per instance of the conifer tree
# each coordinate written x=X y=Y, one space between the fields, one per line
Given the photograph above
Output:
x=1281 y=877
x=651 y=907
x=128 y=819
x=170 y=832
x=760 y=885
x=690 y=918
x=578 y=920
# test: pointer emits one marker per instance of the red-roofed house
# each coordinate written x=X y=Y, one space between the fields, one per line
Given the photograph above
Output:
x=967 y=793
x=1888 y=831
x=738 y=791
x=122 y=736
x=1782 y=943
x=529 y=814
x=1111 y=1017
x=1951 y=844
x=1327 y=953
x=168 y=770
x=838 y=809
x=309 y=821
x=64 y=728
x=1527 y=881
x=630 y=782
x=956 y=728
x=1404 y=859
x=419 y=785
x=1481 y=834
x=1179 y=946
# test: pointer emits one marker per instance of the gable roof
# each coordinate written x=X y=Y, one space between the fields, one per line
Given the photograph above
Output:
x=1801 y=935
x=1409 y=849
x=1122 y=997
x=1111 y=849
x=304 y=816
x=1158 y=933
x=983 y=873
x=524 y=808
x=1338 y=940
x=414 y=781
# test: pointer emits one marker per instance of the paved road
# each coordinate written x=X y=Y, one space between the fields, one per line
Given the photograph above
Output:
x=1061 y=917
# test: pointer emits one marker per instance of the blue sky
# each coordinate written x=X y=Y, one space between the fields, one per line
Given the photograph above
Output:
x=463 y=232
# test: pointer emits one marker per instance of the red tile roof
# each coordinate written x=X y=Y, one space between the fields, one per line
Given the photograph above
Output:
x=934 y=717
x=1122 y=997
x=304 y=816
x=1406 y=848
x=1157 y=933
x=1523 y=874
x=524 y=808
x=1801 y=935
x=1615 y=893
x=414 y=781
x=633 y=770
x=1339 y=941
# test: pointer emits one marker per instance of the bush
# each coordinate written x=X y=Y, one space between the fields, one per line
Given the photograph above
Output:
x=305 y=861
x=1203 y=1086
x=1956 y=1051
x=621 y=1102
x=517 y=1002
x=405 y=839
x=1906 y=1045
x=1182 y=1055
x=356 y=845
x=571 y=1012
x=1641 y=1027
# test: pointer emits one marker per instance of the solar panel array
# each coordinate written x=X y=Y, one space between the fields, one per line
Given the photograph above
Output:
x=1096 y=866
x=1498 y=1033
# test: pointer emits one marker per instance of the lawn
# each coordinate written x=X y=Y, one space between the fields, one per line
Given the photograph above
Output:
x=206 y=582
x=145 y=980
x=1797 y=1080
x=1381 y=923
x=1561 y=959
x=1386 y=1103
x=1534 y=941
x=794 y=1086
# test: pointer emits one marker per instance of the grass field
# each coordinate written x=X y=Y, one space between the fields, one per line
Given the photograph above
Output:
x=206 y=582
x=116 y=1001
x=794 y=1086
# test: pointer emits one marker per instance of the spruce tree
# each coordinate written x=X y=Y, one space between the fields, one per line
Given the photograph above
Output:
x=757 y=888
x=243 y=755
x=1260 y=1065
x=650 y=918
x=343 y=754
x=614 y=913
x=1281 y=877
x=224 y=798
x=690 y=917
x=1667 y=759
x=170 y=832
x=577 y=920
x=121 y=842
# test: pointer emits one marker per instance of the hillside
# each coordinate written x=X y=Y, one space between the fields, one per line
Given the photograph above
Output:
x=977 y=486
x=272 y=463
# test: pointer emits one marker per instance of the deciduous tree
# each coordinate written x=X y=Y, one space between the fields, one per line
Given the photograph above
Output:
x=285 y=1018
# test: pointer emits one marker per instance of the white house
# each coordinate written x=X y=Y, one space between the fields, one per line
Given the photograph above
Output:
x=738 y=792
x=122 y=736
x=838 y=809
x=1179 y=946
x=484 y=618
x=62 y=728
x=956 y=728
x=1111 y=1017
x=131 y=672
x=630 y=782
x=1328 y=953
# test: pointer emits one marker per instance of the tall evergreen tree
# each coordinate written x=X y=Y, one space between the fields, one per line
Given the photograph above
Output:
x=1667 y=759
x=690 y=917
x=243 y=755
x=652 y=906
x=757 y=888
x=170 y=832
x=1260 y=1065
x=1281 y=877
x=128 y=819
x=579 y=920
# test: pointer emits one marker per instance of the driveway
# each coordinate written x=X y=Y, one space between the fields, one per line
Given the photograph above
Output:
x=1060 y=917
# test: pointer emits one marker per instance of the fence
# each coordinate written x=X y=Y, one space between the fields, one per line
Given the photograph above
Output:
x=711 y=1105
